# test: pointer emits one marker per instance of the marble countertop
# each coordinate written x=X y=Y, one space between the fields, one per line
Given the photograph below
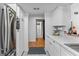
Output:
x=65 y=39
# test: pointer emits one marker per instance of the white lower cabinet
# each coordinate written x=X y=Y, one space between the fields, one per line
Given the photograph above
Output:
x=51 y=49
x=57 y=49
x=64 y=52
x=46 y=44
x=54 y=49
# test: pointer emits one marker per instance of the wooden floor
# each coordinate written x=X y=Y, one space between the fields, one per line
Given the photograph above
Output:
x=40 y=42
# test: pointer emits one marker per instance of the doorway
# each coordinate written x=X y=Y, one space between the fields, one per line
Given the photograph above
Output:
x=37 y=47
x=40 y=35
x=40 y=32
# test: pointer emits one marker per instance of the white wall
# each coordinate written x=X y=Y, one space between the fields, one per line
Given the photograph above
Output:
x=32 y=26
x=48 y=23
x=75 y=17
x=22 y=33
x=57 y=16
x=53 y=18
x=26 y=33
x=67 y=17
x=60 y=16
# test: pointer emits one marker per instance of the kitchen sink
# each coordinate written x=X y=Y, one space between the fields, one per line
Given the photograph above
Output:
x=73 y=46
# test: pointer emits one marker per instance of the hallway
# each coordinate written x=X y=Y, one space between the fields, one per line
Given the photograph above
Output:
x=40 y=42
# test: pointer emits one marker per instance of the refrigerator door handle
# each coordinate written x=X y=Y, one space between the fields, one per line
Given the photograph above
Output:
x=2 y=31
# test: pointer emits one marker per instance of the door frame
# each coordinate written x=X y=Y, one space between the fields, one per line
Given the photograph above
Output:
x=43 y=20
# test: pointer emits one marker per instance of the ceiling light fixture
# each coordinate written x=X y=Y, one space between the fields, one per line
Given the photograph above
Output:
x=36 y=8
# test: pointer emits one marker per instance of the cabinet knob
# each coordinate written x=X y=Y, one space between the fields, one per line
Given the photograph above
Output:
x=50 y=43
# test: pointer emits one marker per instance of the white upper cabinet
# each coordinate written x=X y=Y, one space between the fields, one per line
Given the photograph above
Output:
x=57 y=16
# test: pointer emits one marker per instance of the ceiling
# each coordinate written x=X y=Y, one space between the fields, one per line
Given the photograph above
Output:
x=1 y=5
x=43 y=7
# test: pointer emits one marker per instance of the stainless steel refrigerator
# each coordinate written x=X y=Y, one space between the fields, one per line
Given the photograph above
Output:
x=7 y=30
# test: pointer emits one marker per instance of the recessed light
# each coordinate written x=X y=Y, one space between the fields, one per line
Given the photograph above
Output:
x=36 y=8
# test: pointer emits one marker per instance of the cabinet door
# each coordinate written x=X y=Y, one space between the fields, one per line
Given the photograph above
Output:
x=64 y=52
x=46 y=43
x=51 y=49
x=49 y=46
x=56 y=49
